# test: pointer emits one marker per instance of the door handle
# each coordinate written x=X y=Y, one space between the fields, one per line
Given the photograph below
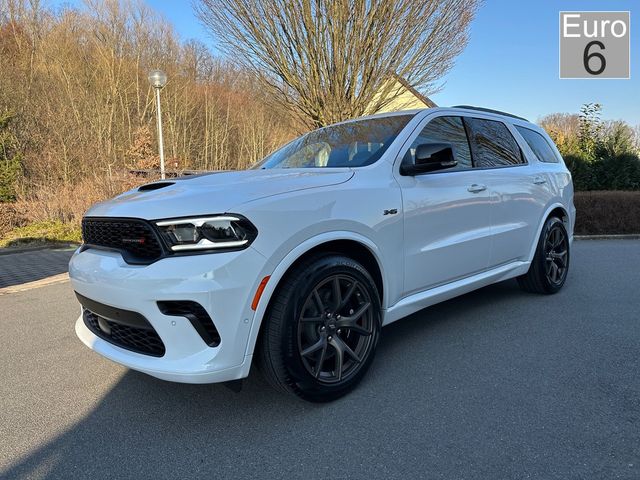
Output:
x=539 y=180
x=476 y=188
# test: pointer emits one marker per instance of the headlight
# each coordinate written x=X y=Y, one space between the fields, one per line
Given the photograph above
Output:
x=207 y=233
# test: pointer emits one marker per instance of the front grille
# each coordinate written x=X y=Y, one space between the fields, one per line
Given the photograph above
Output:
x=135 y=239
x=139 y=340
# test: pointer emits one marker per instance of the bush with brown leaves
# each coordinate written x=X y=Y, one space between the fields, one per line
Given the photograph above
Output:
x=68 y=203
x=11 y=216
x=607 y=213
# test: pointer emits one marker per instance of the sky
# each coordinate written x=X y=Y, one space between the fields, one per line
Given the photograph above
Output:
x=511 y=60
x=511 y=63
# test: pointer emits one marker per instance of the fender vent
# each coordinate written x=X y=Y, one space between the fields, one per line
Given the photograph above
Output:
x=197 y=315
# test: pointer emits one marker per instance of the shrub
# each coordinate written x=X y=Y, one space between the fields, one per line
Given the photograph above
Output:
x=10 y=160
x=68 y=203
x=11 y=216
x=581 y=172
x=607 y=213
x=54 y=213
x=10 y=170
x=617 y=172
x=43 y=232
x=600 y=155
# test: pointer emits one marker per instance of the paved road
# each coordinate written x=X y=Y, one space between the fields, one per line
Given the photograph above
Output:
x=497 y=384
x=17 y=268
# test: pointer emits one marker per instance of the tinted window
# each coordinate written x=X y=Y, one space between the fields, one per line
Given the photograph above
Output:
x=448 y=130
x=539 y=145
x=352 y=144
x=493 y=144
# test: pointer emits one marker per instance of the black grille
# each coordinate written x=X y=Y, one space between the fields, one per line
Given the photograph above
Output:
x=140 y=340
x=134 y=238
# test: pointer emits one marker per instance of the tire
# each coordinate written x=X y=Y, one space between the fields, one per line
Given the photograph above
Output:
x=317 y=343
x=548 y=270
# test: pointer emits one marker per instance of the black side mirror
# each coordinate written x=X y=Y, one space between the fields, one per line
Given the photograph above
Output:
x=431 y=157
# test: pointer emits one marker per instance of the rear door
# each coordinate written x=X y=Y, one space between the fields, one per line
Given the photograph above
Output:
x=513 y=186
x=447 y=213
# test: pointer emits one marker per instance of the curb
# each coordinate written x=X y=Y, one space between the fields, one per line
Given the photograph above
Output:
x=9 y=251
x=633 y=236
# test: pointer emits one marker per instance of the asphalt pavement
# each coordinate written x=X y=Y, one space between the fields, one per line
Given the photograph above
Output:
x=497 y=384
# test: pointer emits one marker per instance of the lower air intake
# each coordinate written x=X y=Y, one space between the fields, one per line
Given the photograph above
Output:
x=137 y=340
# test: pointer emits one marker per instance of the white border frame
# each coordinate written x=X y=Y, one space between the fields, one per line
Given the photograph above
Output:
x=560 y=48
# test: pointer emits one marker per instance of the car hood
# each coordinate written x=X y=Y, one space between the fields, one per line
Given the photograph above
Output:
x=218 y=192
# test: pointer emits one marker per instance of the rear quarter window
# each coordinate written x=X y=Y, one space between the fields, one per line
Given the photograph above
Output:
x=538 y=144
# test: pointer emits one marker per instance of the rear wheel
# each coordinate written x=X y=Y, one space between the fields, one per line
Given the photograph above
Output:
x=321 y=330
x=550 y=265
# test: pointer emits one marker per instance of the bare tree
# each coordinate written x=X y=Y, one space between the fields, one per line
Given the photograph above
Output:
x=618 y=138
x=587 y=135
x=73 y=83
x=327 y=60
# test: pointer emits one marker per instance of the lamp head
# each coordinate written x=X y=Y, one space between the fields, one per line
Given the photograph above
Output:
x=157 y=78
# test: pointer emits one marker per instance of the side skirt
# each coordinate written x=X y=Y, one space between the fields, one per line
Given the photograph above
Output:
x=420 y=300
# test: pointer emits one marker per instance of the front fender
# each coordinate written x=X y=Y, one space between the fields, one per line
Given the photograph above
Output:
x=278 y=272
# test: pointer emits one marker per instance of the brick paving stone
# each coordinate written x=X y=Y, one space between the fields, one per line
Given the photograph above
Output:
x=18 y=268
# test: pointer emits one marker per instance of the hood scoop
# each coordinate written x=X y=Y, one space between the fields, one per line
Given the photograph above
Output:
x=154 y=186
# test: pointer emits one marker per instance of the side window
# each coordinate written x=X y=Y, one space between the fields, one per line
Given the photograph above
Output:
x=538 y=144
x=493 y=144
x=448 y=130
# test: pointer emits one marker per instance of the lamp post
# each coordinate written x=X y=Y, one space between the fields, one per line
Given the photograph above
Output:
x=158 y=79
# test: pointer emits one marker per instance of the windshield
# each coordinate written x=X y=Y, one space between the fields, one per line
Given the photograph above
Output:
x=352 y=144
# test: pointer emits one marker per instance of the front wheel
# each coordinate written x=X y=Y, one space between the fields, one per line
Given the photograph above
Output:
x=550 y=265
x=321 y=329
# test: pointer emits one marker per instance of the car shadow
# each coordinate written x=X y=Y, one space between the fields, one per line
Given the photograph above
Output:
x=148 y=428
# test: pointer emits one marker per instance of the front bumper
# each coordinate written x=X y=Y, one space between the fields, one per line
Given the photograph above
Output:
x=223 y=283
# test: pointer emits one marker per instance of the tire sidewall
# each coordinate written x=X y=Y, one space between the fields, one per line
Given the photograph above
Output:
x=540 y=255
x=314 y=273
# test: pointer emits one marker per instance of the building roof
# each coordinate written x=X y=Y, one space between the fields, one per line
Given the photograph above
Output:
x=423 y=98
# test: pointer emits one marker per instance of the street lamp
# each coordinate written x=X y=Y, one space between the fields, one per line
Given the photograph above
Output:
x=158 y=79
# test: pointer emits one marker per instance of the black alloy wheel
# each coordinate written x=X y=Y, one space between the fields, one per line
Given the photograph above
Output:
x=550 y=265
x=556 y=252
x=335 y=330
x=321 y=329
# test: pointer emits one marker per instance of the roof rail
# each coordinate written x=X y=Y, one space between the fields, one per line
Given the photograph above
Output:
x=488 y=110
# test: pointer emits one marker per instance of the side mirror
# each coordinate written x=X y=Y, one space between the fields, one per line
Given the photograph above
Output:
x=431 y=157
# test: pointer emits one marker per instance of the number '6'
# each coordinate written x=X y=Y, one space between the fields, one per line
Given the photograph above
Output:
x=588 y=56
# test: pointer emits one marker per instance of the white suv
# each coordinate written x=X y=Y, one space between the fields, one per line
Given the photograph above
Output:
x=302 y=259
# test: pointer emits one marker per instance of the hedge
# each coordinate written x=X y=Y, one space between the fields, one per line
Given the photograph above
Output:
x=616 y=172
x=607 y=213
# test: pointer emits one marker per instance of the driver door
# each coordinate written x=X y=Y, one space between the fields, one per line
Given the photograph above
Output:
x=447 y=213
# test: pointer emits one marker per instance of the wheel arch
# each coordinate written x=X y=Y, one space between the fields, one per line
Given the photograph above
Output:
x=350 y=244
x=553 y=210
x=561 y=213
